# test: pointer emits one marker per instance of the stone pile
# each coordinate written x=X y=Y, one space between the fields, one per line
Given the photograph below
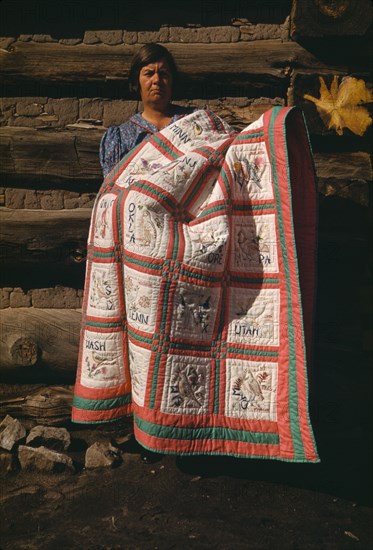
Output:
x=45 y=450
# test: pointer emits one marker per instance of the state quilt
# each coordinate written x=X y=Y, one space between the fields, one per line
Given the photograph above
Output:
x=199 y=292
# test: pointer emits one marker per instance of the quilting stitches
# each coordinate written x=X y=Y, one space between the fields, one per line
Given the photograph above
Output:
x=206 y=243
x=103 y=297
x=254 y=316
x=186 y=385
x=250 y=171
x=139 y=359
x=194 y=312
x=254 y=247
x=102 y=364
x=154 y=155
x=252 y=390
x=102 y=229
x=145 y=229
x=142 y=296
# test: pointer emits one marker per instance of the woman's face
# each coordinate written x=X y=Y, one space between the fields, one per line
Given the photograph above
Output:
x=155 y=82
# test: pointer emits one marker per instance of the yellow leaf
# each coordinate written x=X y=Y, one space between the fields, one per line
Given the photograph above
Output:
x=341 y=106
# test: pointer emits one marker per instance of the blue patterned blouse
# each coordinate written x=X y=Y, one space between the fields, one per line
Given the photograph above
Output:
x=118 y=140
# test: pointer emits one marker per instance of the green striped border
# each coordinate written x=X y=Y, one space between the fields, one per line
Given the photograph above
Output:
x=142 y=186
x=251 y=207
x=186 y=346
x=164 y=146
x=162 y=331
x=104 y=255
x=144 y=339
x=209 y=433
x=253 y=352
x=292 y=367
x=247 y=136
x=101 y=404
x=255 y=280
x=103 y=324
x=147 y=264
x=213 y=210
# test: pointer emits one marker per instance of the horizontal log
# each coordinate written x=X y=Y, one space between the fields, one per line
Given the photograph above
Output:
x=50 y=406
x=238 y=112
x=355 y=190
x=204 y=64
x=344 y=166
x=39 y=344
x=325 y=18
x=58 y=237
x=50 y=155
x=63 y=157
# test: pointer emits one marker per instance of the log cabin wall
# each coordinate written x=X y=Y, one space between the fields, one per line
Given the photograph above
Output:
x=64 y=70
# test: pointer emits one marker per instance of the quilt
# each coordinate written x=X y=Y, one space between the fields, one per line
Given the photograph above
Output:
x=199 y=292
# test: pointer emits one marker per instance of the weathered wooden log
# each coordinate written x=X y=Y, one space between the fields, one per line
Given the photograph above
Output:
x=353 y=190
x=50 y=406
x=50 y=155
x=344 y=166
x=39 y=344
x=58 y=237
x=204 y=64
x=63 y=157
x=333 y=18
x=22 y=351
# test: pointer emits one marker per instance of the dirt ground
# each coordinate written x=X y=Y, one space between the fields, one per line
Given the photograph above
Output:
x=199 y=502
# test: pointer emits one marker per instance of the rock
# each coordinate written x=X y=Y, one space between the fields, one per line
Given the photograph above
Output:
x=65 y=109
x=70 y=41
x=57 y=297
x=52 y=200
x=117 y=111
x=204 y=34
x=7 y=462
x=5 y=42
x=44 y=460
x=15 y=198
x=143 y=37
x=4 y=297
x=32 y=200
x=91 y=108
x=129 y=37
x=43 y=38
x=12 y=433
x=101 y=455
x=18 y=298
x=90 y=37
x=21 y=198
x=32 y=106
x=111 y=38
x=57 y=439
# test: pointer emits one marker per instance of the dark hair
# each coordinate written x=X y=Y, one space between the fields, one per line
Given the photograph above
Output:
x=149 y=53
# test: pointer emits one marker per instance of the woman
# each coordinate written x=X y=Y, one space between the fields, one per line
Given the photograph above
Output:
x=152 y=76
